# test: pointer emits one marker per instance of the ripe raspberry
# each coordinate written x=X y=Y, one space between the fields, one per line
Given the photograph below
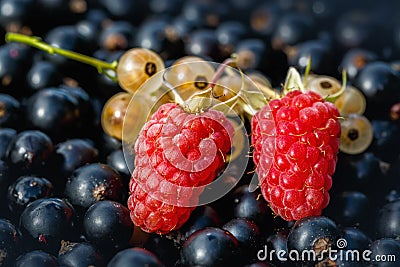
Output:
x=296 y=140
x=176 y=153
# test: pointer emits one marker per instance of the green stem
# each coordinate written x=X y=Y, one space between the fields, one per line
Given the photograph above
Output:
x=101 y=66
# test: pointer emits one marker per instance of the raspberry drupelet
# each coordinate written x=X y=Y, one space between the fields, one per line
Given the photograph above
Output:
x=176 y=153
x=296 y=140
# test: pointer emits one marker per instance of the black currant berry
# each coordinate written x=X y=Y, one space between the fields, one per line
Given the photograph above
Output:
x=388 y=224
x=209 y=247
x=315 y=234
x=92 y=183
x=46 y=222
x=30 y=151
x=80 y=255
x=107 y=224
x=165 y=249
x=10 y=243
x=247 y=233
x=204 y=216
x=6 y=136
x=43 y=74
x=27 y=189
x=387 y=250
x=251 y=205
x=75 y=153
x=9 y=111
x=350 y=208
x=135 y=257
x=36 y=258
x=53 y=111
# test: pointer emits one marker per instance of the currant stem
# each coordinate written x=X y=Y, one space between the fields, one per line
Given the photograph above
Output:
x=101 y=66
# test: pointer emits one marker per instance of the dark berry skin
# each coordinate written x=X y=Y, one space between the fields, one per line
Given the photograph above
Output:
x=229 y=33
x=43 y=74
x=82 y=98
x=119 y=35
x=27 y=189
x=80 y=255
x=356 y=239
x=53 y=111
x=388 y=224
x=124 y=9
x=204 y=216
x=135 y=257
x=277 y=241
x=171 y=7
x=251 y=206
x=386 y=142
x=36 y=258
x=292 y=29
x=202 y=43
x=6 y=136
x=209 y=247
x=247 y=233
x=259 y=264
x=45 y=222
x=65 y=37
x=93 y=182
x=30 y=151
x=355 y=60
x=15 y=11
x=116 y=160
x=6 y=178
x=357 y=172
x=165 y=249
x=14 y=60
x=107 y=224
x=10 y=111
x=320 y=53
x=75 y=153
x=350 y=208
x=10 y=242
x=386 y=246
x=379 y=83
x=263 y=18
x=88 y=33
x=315 y=233
x=250 y=53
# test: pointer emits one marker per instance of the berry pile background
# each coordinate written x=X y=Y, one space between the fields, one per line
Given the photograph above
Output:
x=64 y=183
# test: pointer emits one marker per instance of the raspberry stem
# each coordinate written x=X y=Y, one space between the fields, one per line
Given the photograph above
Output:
x=101 y=66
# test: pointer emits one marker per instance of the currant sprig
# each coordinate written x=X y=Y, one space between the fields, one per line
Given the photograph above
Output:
x=37 y=42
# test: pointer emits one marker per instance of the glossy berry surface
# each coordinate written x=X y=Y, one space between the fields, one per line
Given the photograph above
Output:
x=107 y=225
x=75 y=153
x=30 y=150
x=36 y=258
x=295 y=177
x=209 y=247
x=248 y=235
x=389 y=220
x=10 y=242
x=92 y=183
x=315 y=233
x=10 y=111
x=45 y=222
x=27 y=189
x=135 y=257
x=152 y=183
x=80 y=255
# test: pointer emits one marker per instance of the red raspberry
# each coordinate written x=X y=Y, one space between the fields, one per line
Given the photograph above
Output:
x=296 y=140
x=176 y=153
